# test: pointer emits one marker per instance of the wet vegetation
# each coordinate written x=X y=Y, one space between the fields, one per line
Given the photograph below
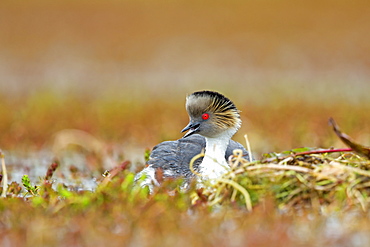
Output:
x=87 y=88
x=302 y=196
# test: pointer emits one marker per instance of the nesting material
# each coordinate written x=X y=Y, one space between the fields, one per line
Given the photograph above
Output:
x=296 y=181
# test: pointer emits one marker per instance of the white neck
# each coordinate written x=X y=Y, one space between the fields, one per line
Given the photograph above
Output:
x=214 y=164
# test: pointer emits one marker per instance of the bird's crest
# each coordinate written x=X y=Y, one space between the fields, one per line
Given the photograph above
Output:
x=226 y=115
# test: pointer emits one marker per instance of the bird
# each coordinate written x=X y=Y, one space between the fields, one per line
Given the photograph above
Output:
x=214 y=119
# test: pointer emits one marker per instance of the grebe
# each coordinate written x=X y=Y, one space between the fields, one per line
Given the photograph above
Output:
x=214 y=119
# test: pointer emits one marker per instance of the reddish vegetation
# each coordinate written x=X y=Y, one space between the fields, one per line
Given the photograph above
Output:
x=120 y=71
x=30 y=122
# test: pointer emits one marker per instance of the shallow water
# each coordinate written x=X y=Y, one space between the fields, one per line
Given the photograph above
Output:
x=36 y=164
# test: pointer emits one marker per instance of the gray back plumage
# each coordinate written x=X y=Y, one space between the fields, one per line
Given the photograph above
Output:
x=175 y=156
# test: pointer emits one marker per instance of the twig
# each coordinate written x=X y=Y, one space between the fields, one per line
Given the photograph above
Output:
x=191 y=165
x=321 y=151
x=279 y=167
x=5 y=175
x=248 y=201
x=249 y=148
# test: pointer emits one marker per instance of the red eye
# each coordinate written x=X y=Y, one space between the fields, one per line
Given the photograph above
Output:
x=205 y=116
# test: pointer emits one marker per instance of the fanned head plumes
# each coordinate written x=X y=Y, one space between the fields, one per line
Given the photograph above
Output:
x=223 y=114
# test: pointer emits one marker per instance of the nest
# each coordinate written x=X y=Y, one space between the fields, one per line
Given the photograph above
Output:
x=297 y=179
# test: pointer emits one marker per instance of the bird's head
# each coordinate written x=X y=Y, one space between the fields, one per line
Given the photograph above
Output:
x=211 y=115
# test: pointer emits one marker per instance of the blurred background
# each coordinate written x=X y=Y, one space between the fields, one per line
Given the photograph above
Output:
x=120 y=70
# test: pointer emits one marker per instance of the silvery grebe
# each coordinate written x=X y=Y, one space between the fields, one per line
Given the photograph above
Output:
x=214 y=119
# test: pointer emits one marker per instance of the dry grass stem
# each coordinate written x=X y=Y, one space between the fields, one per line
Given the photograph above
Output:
x=5 y=175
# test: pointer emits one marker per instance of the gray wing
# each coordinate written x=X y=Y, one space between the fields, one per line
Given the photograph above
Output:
x=174 y=157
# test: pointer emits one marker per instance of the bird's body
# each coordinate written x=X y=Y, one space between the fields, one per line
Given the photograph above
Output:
x=174 y=157
x=214 y=119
